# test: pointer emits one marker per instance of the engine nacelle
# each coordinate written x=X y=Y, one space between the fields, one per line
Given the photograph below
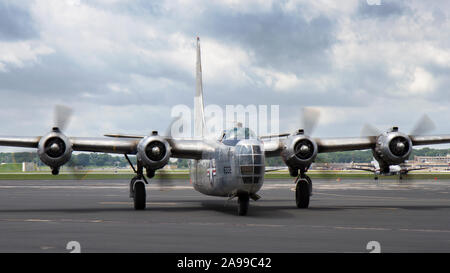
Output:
x=392 y=148
x=154 y=152
x=55 y=150
x=299 y=153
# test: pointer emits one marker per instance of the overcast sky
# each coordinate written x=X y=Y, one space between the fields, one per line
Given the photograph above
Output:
x=122 y=64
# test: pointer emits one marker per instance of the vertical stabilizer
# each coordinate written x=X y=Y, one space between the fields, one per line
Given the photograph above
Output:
x=199 y=114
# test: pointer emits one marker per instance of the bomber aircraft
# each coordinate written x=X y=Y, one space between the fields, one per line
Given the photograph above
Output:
x=399 y=170
x=232 y=166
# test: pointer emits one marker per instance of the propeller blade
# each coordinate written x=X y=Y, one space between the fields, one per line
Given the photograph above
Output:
x=423 y=126
x=164 y=179
x=77 y=170
x=62 y=116
x=171 y=130
x=310 y=119
x=370 y=130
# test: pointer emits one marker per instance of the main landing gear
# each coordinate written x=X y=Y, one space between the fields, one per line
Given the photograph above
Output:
x=303 y=191
x=137 y=192
x=137 y=187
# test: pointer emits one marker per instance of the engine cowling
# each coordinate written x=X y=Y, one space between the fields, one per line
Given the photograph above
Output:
x=393 y=148
x=299 y=152
x=154 y=152
x=55 y=149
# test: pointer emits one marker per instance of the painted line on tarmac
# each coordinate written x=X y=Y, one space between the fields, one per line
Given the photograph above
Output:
x=248 y=225
x=148 y=203
x=37 y=220
x=44 y=187
x=365 y=197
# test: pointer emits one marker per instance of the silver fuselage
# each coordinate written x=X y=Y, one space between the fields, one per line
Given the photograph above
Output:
x=232 y=168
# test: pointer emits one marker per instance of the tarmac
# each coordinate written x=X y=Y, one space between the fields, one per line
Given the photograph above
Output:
x=344 y=216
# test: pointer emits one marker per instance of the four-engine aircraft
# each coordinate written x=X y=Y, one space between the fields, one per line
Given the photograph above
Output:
x=399 y=170
x=232 y=166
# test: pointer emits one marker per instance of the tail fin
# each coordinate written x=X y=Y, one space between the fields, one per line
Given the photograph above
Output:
x=199 y=113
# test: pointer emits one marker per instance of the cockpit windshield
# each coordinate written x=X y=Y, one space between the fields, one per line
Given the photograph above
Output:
x=239 y=133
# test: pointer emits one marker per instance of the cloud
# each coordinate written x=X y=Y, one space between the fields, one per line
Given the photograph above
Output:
x=127 y=63
x=16 y=22
x=384 y=9
x=20 y=54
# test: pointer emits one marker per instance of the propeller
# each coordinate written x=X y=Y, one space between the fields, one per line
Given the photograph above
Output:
x=55 y=147
x=370 y=130
x=164 y=178
x=170 y=128
x=310 y=119
x=62 y=115
x=399 y=145
x=423 y=126
x=304 y=149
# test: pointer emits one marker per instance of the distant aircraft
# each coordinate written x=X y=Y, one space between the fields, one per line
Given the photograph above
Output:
x=232 y=166
x=399 y=170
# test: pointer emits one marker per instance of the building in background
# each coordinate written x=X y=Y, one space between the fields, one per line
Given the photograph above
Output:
x=437 y=163
x=28 y=167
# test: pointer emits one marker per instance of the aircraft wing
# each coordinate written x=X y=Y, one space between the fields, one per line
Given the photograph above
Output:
x=25 y=142
x=87 y=144
x=272 y=147
x=429 y=140
x=363 y=169
x=416 y=169
x=324 y=145
x=274 y=169
x=181 y=148
x=105 y=145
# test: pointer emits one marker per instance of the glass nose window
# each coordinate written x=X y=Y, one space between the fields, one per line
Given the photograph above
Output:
x=250 y=162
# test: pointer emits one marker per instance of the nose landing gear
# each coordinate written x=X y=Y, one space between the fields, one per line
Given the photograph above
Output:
x=243 y=204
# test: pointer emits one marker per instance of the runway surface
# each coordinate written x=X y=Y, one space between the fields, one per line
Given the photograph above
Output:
x=43 y=216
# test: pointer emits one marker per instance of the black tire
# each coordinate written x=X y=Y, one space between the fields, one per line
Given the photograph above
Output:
x=139 y=196
x=310 y=185
x=243 y=204
x=302 y=194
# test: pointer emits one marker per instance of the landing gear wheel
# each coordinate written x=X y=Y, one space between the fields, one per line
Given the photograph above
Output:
x=310 y=185
x=139 y=196
x=302 y=193
x=243 y=203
